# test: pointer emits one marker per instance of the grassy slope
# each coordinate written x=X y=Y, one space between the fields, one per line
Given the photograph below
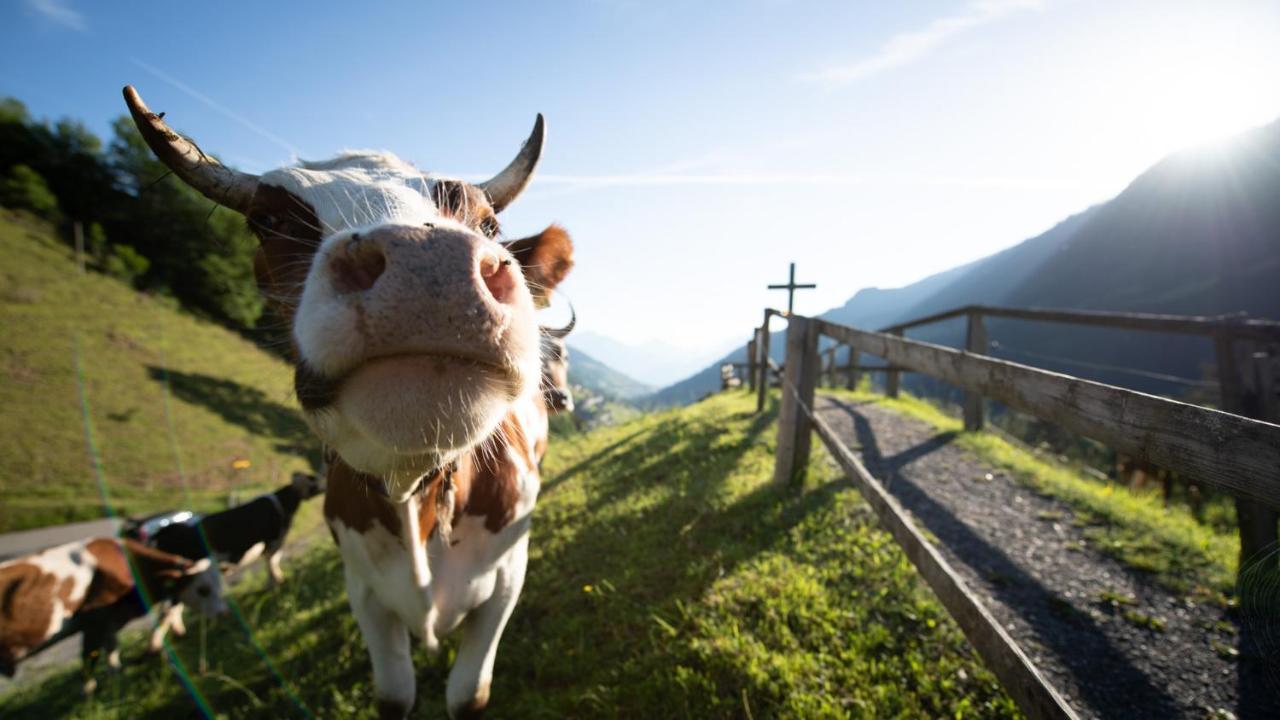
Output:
x=230 y=400
x=1134 y=528
x=667 y=579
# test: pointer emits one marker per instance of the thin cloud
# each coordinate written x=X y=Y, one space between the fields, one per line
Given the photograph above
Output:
x=908 y=47
x=771 y=179
x=220 y=108
x=59 y=13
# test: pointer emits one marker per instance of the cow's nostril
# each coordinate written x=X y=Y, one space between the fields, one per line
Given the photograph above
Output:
x=498 y=275
x=357 y=266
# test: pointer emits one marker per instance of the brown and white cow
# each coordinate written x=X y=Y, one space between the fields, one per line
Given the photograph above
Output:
x=555 y=366
x=92 y=587
x=417 y=363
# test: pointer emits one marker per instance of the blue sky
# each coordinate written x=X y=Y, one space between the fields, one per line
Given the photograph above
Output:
x=694 y=148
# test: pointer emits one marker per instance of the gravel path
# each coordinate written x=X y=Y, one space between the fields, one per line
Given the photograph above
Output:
x=1033 y=569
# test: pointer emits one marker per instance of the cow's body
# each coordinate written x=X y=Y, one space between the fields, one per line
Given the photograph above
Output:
x=405 y=575
x=417 y=363
x=88 y=586
x=234 y=539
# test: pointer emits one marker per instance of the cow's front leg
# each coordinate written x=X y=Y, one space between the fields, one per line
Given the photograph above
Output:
x=170 y=618
x=467 y=693
x=273 y=567
x=99 y=639
x=387 y=640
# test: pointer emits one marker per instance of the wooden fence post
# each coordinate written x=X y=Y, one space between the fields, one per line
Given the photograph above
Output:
x=975 y=341
x=851 y=377
x=794 y=426
x=892 y=377
x=78 y=229
x=763 y=386
x=751 y=361
x=1242 y=385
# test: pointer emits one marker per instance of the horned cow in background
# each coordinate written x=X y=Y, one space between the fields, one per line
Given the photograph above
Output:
x=555 y=366
x=416 y=354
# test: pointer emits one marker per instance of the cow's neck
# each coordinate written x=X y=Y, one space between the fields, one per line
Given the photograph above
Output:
x=485 y=483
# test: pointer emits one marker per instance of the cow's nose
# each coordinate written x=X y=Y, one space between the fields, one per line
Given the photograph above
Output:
x=498 y=274
x=357 y=265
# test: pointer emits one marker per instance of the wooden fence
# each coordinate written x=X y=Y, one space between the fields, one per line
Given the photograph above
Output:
x=1232 y=449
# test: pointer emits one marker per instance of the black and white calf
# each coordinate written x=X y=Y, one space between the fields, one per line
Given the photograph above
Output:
x=235 y=538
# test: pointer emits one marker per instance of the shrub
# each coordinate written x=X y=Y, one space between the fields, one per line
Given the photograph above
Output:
x=124 y=263
x=24 y=189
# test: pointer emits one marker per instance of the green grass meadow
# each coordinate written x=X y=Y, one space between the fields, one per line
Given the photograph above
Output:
x=667 y=579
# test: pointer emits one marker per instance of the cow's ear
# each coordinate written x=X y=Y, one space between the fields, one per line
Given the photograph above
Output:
x=545 y=258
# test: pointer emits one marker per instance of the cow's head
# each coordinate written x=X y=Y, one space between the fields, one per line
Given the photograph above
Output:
x=412 y=324
x=555 y=366
x=197 y=584
x=307 y=485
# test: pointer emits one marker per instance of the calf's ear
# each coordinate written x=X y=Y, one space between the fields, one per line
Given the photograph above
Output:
x=545 y=258
x=199 y=566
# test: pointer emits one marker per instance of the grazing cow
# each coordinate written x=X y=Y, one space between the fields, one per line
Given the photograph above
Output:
x=555 y=367
x=234 y=538
x=416 y=354
x=92 y=587
x=728 y=379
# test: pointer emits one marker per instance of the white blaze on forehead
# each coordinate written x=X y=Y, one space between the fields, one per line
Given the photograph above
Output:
x=360 y=189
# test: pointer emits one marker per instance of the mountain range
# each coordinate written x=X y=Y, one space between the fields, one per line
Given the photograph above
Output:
x=586 y=371
x=655 y=362
x=1198 y=233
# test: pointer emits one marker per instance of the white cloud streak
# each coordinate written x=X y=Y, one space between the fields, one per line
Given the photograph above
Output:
x=220 y=108
x=59 y=13
x=908 y=47
x=773 y=179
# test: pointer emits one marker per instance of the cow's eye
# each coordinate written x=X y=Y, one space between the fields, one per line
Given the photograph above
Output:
x=203 y=591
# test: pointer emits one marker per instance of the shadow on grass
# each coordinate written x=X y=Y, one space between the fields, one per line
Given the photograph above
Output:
x=248 y=407
x=656 y=527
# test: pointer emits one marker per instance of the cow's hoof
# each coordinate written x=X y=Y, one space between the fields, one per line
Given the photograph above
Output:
x=392 y=710
x=89 y=686
x=473 y=709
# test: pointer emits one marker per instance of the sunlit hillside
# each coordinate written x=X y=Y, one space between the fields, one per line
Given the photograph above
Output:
x=93 y=370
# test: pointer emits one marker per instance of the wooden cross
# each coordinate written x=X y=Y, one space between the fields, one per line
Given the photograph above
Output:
x=791 y=288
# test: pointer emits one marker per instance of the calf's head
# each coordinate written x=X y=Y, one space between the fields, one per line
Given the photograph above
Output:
x=412 y=324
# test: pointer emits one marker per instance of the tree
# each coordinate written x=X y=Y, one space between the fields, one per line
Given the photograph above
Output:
x=24 y=189
x=202 y=253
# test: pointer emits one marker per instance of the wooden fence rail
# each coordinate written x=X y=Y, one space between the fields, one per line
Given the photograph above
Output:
x=1033 y=693
x=1235 y=453
x=1194 y=441
x=1224 y=449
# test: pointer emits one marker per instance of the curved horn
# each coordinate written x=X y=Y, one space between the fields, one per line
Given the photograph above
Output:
x=504 y=187
x=561 y=333
x=219 y=183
